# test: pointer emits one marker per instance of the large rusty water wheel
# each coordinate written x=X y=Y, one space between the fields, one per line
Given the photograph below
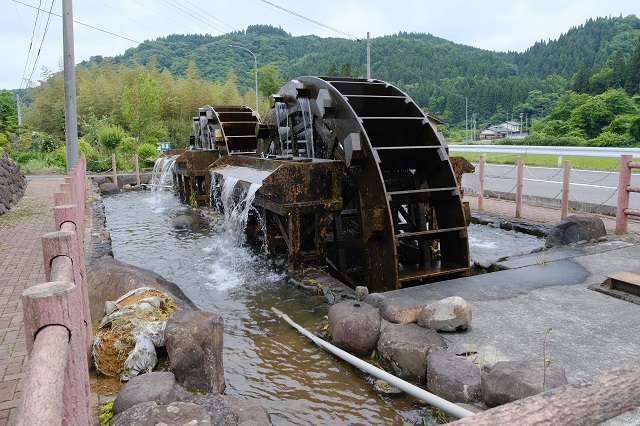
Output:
x=402 y=221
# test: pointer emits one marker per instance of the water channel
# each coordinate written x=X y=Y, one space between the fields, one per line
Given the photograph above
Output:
x=265 y=359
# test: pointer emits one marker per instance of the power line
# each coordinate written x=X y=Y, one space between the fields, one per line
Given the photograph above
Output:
x=79 y=23
x=198 y=7
x=186 y=12
x=33 y=33
x=124 y=16
x=320 y=24
x=44 y=36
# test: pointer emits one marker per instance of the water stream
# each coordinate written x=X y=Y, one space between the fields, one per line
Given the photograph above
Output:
x=265 y=359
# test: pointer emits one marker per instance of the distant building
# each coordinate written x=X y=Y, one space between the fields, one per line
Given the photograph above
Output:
x=512 y=126
x=508 y=129
x=494 y=132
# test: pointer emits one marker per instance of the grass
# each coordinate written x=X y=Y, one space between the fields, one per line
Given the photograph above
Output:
x=577 y=162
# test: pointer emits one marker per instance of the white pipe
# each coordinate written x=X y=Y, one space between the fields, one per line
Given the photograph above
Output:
x=412 y=390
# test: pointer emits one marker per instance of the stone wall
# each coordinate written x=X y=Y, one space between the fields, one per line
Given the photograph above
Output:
x=13 y=183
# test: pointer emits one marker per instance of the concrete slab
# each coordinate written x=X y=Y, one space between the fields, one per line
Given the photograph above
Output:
x=547 y=311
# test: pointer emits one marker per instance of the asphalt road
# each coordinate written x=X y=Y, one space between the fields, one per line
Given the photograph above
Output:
x=586 y=186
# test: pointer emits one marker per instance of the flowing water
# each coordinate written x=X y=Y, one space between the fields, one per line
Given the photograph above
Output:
x=488 y=244
x=264 y=358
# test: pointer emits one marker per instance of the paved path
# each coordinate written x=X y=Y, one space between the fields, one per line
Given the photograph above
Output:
x=21 y=266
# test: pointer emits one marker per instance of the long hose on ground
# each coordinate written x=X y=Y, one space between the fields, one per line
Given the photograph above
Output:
x=421 y=394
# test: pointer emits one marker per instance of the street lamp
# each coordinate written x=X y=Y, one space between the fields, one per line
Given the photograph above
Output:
x=255 y=66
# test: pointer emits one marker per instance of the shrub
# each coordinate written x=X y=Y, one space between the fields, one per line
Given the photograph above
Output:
x=110 y=137
x=57 y=158
x=84 y=146
x=25 y=157
x=128 y=147
x=147 y=153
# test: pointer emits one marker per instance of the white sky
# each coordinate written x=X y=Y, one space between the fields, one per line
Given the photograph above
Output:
x=494 y=25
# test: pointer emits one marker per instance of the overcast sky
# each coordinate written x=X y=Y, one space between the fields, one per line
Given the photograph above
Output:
x=494 y=25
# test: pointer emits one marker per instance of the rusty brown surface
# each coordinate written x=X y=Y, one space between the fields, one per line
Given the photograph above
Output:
x=460 y=166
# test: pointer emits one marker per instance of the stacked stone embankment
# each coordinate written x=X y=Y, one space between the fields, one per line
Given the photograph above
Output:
x=13 y=183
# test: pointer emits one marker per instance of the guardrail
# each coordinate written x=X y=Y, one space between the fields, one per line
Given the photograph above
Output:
x=585 y=151
x=57 y=320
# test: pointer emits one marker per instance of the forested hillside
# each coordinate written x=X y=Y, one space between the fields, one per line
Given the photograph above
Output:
x=582 y=89
x=438 y=74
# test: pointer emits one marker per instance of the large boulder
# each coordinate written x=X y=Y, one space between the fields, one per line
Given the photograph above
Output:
x=404 y=349
x=194 y=344
x=576 y=228
x=450 y=314
x=110 y=279
x=354 y=327
x=155 y=386
x=152 y=414
x=453 y=378
x=400 y=311
x=508 y=381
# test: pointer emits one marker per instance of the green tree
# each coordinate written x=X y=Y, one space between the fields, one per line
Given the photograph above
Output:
x=634 y=129
x=269 y=80
x=332 y=71
x=141 y=106
x=8 y=111
x=230 y=93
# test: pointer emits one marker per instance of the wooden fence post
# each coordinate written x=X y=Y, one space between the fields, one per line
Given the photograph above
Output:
x=115 y=171
x=624 y=181
x=519 y=187
x=481 y=164
x=137 y=170
x=566 y=176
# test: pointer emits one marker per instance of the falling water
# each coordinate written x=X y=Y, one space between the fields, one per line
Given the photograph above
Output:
x=283 y=128
x=305 y=107
x=236 y=201
x=162 y=175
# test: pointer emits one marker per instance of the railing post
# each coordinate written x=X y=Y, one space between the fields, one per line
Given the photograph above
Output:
x=113 y=167
x=65 y=243
x=519 y=187
x=481 y=175
x=566 y=176
x=137 y=171
x=57 y=303
x=624 y=181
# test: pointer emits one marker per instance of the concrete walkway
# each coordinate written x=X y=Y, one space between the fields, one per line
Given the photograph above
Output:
x=21 y=266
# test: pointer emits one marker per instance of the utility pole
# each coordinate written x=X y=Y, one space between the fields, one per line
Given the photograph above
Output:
x=521 y=114
x=473 y=126
x=466 y=119
x=70 y=110
x=368 y=57
x=19 y=114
